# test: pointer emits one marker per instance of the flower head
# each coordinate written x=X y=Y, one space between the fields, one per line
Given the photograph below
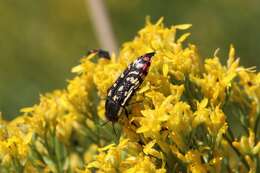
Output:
x=185 y=117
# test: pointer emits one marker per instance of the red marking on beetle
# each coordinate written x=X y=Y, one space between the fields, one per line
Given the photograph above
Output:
x=146 y=58
x=145 y=67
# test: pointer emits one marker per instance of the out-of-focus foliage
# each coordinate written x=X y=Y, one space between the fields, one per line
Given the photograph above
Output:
x=39 y=42
x=41 y=39
x=184 y=123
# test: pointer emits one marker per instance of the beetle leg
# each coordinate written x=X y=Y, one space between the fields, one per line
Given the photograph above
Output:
x=140 y=101
x=126 y=113
x=134 y=102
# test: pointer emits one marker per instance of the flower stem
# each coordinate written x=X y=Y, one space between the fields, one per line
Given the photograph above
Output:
x=241 y=158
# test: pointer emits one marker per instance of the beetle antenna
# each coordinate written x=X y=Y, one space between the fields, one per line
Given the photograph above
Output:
x=113 y=126
x=103 y=124
x=114 y=129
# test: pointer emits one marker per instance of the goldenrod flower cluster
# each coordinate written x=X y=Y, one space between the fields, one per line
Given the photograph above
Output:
x=189 y=115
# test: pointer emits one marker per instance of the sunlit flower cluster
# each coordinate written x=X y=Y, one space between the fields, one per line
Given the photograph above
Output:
x=189 y=115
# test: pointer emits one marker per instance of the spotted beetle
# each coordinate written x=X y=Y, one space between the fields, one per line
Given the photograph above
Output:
x=125 y=86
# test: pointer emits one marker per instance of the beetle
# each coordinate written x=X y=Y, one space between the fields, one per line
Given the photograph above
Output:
x=100 y=52
x=125 y=86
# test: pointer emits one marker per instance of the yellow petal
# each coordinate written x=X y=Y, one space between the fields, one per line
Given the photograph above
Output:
x=77 y=69
x=183 y=37
x=107 y=147
x=27 y=109
x=159 y=22
x=94 y=164
x=183 y=26
x=165 y=70
x=144 y=88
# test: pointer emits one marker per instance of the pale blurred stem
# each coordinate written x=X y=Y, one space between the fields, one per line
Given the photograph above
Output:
x=240 y=156
x=102 y=25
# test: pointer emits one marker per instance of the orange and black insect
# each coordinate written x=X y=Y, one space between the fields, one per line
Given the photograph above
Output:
x=125 y=86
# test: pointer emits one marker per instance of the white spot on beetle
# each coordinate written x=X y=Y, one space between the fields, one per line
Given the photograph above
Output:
x=109 y=93
x=115 y=97
x=134 y=72
x=133 y=80
x=129 y=78
x=120 y=88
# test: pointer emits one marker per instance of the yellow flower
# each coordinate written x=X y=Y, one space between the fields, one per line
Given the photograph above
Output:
x=177 y=118
x=251 y=83
x=65 y=125
x=217 y=78
x=251 y=163
x=148 y=149
x=74 y=161
x=202 y=113
x=13 y=147
x=214 y=120
x=179 y=123
x=89 y=155
x=151 y=122
x=247 y=145
x=193 y=157
x=78 y=93
x=144 y=165
x=217 y=122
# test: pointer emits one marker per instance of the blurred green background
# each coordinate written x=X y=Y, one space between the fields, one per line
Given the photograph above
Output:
x=40 y=41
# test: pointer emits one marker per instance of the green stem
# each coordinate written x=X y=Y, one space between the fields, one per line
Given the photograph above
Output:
x=17 y=165
x=171 y=159
x=256 y=127
x=257 y=161
x=241 y=158
x=231 y=133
